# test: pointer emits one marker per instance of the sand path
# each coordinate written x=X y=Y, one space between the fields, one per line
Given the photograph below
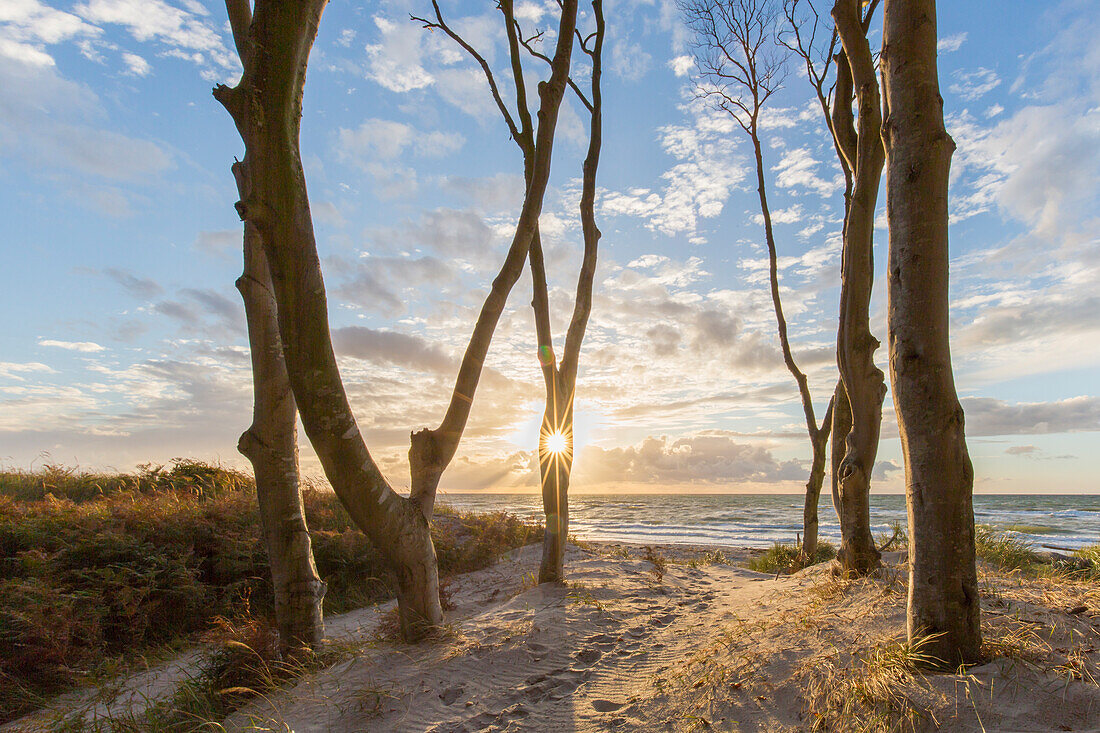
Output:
x=589 y=655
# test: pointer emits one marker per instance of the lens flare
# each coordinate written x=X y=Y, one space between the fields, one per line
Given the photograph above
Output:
x=557 y=443
x=546 y=355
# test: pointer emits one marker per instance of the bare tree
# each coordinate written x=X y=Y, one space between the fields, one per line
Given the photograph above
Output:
x=274 y=45
x=863 y=381
x=271 y=445
x=556 y=435
x=741 y=65
x=943 y=603
x=555 y=447
x=857 y=412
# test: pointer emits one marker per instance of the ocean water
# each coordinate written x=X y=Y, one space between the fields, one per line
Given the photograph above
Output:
x=758 y=520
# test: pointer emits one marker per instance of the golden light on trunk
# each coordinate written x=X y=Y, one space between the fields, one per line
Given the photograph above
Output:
x=558 y=443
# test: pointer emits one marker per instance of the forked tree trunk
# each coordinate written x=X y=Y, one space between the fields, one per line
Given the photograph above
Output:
x=943 y=605
x=271 y=444
x=863 y=381
x=562 y=379
x=554 y=465
x=274 y=46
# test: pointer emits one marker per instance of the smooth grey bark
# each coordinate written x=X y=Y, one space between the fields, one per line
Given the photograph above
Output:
x=736 y=54
x=864 y=385
x=271 y=445
x=274 y=46
x=943 y=603
x=860 y=156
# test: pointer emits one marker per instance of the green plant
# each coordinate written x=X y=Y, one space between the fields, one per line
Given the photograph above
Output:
x=1003 y=550
x=788 y=558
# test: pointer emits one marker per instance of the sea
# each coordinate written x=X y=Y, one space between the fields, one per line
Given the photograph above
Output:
x=759 y=520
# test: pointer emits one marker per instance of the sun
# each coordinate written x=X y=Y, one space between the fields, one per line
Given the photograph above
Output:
x=557 y=442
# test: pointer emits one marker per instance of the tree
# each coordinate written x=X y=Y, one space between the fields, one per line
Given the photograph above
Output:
x=863 y=382
x=857 y=413
x=943 y=605
x=271 y=445
x=556 y=434
x=741 y=65
x=274 y=44
x=555 y=449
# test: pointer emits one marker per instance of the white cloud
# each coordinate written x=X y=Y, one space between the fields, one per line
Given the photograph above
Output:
x=377 y=145
x=12 y=370
x=697 y=186
x=629 y=61
x=136 y=65
x=681 y=65
x=972 y=85
x=395 y=62
x=950 y=44
x=24 y=53
x=85 y=347
x=48 y=120
x=798 y=169
x=189 y=34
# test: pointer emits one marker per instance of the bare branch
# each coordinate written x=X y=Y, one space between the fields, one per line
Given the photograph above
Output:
x=442 y=25
x=529 y=44
x=240 y=19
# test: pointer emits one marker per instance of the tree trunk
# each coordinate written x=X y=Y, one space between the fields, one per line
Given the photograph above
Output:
x=266 y=105
x=554 y=468
x=842 y=423
x=561 y=380
x=863 y=381
x=943 y=591
x=818 y=442
x=271 y=444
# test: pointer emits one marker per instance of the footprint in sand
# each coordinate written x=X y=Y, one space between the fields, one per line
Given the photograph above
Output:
x=663 y=620
x=588 y=656
x=606 y=706
x=451 y=694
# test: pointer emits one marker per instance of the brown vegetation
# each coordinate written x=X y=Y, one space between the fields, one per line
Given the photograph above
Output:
x=100 y=569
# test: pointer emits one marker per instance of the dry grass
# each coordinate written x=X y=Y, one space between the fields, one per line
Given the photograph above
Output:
x=99 y=571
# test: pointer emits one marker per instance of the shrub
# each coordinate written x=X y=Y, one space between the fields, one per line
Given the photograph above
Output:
x=100 y=568
x=1003 y=550
x=788 y=558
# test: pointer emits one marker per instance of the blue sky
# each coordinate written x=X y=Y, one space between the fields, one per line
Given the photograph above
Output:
x=124 y=342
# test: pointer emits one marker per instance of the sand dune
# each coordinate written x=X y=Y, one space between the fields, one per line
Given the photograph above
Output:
x=629 y=645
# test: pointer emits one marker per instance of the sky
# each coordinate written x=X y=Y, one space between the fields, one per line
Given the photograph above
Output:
x=123 y=340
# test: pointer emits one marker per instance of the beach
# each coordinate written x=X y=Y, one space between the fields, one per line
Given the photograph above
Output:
x=688 y=641
x=677 y=638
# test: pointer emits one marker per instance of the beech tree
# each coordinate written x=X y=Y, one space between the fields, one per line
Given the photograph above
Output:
x=271 y=445
x=740 y=65
x=555 y=448
x=274 y=40
x=857 y=412
x=943 y=604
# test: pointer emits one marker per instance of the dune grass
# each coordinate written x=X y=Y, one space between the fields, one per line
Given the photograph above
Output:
x=99 y=570
x=789 y=558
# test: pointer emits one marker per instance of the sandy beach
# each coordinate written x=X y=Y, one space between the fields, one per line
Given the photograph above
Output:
x=674 y=638
x=689 y=641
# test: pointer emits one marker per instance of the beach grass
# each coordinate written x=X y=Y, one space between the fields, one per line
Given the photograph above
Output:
x=789 y=558
x=101 y=571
